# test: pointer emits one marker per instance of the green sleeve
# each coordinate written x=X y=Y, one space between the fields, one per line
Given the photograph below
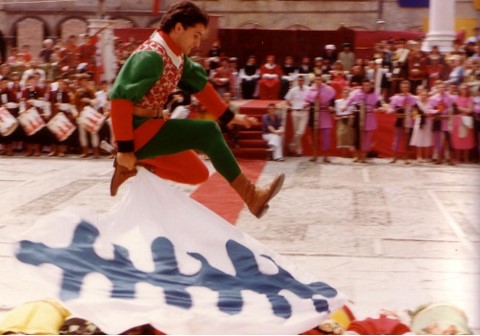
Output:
x=194 y=77
x=137 y=76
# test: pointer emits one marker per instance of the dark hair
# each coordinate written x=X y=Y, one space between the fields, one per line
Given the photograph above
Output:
x=184 y=12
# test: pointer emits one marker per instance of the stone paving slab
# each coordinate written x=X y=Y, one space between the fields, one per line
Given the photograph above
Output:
x=388 y=236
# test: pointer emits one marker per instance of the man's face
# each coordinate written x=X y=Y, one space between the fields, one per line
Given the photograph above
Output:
x=405 y=88
x=189 y=38
x=367 y=86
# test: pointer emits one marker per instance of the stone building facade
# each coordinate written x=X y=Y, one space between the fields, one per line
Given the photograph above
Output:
x=26 y=22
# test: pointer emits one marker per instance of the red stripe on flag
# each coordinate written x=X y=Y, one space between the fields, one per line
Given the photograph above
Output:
x=156 y=7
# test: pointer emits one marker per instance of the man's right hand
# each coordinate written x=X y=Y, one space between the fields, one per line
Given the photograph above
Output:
x=127 y=160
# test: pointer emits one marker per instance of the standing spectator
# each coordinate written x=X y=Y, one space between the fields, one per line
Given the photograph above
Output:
x=249 y=76
x=14 y=57
x=318 y=68
x=84 y=100
x=305 y=68
x=269 y=83
x=214 y=54
x=4 y=71
x=235 y=87
x=422 y=127
x=402 y=105
x=69 y=53
x=338 y=80
x=357 y=76
x=329 y=57
x=321 y=97
x=441 y=109
x=435 y=71
x=457 y=71
x=103 y=106
x=295 y=98
x=347 y=56
x=476 y=116
x=475 y=38
x=417 y=67
x=463 y=125
x=3 y=48
x=45 y=54
x=345 y=131
x=273 y=132
x=400 y=64
x=26 y=54
x=367 y=102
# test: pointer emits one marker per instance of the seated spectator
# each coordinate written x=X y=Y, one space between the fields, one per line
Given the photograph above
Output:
x=269 y=84
x=290 y=75
x=273 y=132
x=221 y=77
x=249 y=76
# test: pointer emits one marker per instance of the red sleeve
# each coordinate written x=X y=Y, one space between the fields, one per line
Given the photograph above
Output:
x=212 y=102
x=122 y=116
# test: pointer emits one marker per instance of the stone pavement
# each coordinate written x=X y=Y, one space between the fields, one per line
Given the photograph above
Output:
x=388 y=236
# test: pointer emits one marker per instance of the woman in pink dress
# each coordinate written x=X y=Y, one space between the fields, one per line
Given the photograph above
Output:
x=422 y=128
x=463 y=128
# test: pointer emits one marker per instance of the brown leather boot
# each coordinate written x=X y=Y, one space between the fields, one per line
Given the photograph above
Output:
x=120 y=175
x=254 y=197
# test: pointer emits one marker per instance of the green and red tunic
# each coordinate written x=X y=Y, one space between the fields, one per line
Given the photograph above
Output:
x=153 y=71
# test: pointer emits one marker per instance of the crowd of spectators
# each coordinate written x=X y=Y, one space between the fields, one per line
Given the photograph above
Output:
x=54 y=103
x=393 y=62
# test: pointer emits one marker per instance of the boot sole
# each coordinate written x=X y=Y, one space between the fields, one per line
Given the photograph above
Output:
x=277 y=186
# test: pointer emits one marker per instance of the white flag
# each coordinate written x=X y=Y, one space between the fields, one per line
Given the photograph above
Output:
x=161 y=258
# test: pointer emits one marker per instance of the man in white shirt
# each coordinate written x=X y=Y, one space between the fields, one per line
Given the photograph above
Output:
x=295 y=98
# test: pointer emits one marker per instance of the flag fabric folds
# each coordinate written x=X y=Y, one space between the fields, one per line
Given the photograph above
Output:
x=160 y=257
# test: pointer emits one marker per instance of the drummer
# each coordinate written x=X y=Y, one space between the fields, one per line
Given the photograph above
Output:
x=33 y=98
x=9 y=100
x=60 y=100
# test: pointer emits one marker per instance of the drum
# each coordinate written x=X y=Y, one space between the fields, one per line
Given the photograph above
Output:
x=31 y=121
x=91 y=119
x=8 y=123
x=11 y=105
x=61 y=127
x=65 y=107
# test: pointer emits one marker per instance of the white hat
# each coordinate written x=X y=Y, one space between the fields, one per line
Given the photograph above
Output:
x=378 y=61
x=330 y=47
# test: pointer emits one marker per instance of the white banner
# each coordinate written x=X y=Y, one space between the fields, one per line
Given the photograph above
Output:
x=160 y=257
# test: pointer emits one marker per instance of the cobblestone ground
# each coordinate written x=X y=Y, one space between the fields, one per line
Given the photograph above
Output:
x=388 y=236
